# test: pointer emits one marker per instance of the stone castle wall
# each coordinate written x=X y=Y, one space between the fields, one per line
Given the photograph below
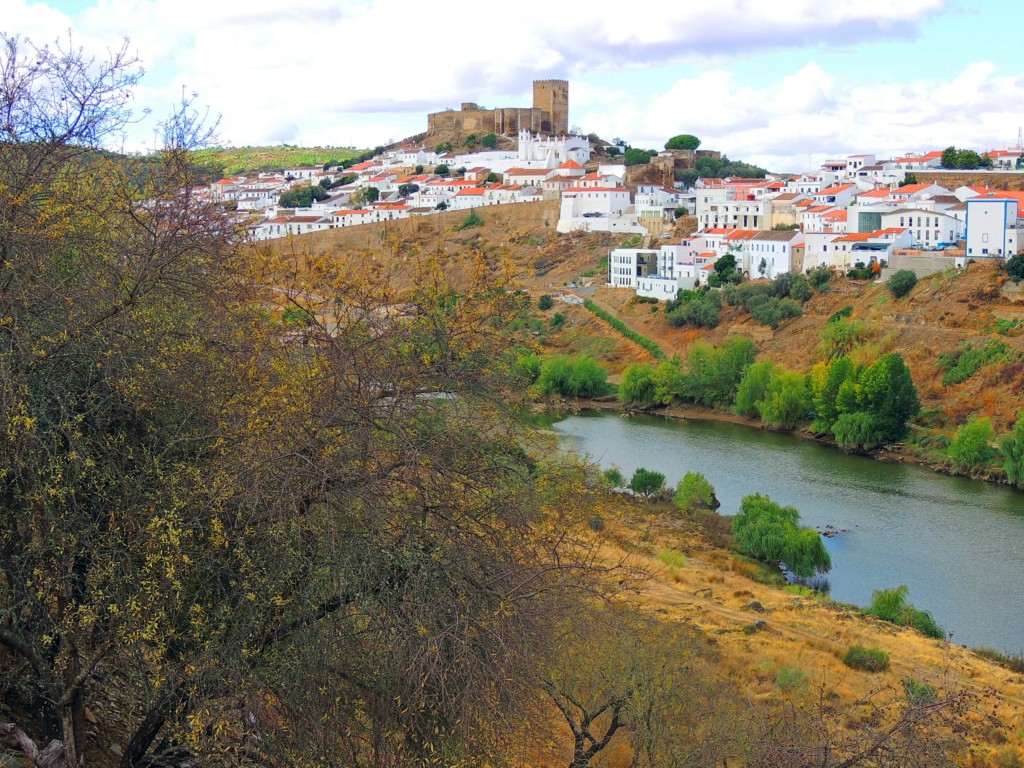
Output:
x=549 y=114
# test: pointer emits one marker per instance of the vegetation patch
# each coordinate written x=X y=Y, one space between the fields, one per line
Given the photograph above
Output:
x=769 y=532
x=968 y=359
x=572 y=377
x=891 y=605
x=625 y=330
x=866 y=659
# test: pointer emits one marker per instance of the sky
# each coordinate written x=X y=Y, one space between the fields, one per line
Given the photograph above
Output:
x=781 y=83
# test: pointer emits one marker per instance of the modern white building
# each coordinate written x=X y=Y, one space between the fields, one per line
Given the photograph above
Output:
x=991 y=227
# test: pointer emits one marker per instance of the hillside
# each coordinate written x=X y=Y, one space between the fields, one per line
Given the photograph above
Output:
x=942 y=312
x=233 y=160
x=779 y=651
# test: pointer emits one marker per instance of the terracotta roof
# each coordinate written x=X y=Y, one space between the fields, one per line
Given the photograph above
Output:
x=595 y=189
x=571 y=165
x=835 y=189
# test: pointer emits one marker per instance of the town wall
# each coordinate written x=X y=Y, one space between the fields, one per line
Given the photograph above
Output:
x=1008 y=180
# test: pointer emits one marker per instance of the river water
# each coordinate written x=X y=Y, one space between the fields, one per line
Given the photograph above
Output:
x=957 y=544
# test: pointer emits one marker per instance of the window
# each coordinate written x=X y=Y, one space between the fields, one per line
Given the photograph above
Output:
x=984 y=237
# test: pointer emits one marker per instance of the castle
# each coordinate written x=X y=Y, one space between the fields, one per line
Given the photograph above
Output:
x=549 y=114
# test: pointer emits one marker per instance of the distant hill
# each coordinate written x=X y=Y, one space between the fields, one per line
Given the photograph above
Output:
x=237 y=159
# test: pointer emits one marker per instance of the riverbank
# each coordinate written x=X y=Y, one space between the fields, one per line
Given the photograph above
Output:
x=900 y=453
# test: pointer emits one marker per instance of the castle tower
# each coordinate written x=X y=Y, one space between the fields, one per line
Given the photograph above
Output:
x=551 y=97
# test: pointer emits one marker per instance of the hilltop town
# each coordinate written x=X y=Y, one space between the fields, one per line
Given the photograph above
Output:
x=854 y=211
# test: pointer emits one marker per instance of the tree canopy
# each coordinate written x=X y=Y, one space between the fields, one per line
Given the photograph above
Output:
x=261 y=533
x=683 y=141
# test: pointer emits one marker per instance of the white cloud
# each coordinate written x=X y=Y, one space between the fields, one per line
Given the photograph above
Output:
x=363 y=71
x=325 y=64
x=812 y=111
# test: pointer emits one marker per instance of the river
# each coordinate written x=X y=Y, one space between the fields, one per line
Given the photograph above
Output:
x=958 y=544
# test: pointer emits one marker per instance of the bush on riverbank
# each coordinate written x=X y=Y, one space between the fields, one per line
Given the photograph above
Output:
x=891 y=605
x=578 y=376
x=769 y=532
x=972 y=445
x=1013 y=452
x=694 y=492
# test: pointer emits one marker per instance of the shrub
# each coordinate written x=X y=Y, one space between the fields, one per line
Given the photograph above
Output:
x=771 y=311
x=572 y=377
x=672 y=558
x=557 y=320
x=901 y=283
x=790 y=679
x=819 y=277
x=545 y=302
x=695 y=492
x=918 y=694
x=700 y=312
x=972 y=445
x=801 y=289
x=839 y=338
x=968 y=359
x=668 y=381
x=841 y=314
x=647 y=482
x=1013 y=452
x=529 y=364
x=855 y=431
x=472 y=220
x=891 y=605
x=613 y=476
x=1015 y=267
x=769 y=532
x=866 y=659
x=825 y=391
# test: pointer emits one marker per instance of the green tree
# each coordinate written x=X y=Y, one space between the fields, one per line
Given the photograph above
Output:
x=786 y=400
x=1012 y=447
x=647 y=482
x=441 y=169
x=713 y=373
x=637 y=156
x=1015 y=267
x=967 y=159
x=949 y=157
x=826 y=409
x=637 y=386
x=752 y=388
x=683 y=141
x=973 y=444
x=768 y=531
x=489 y=140
x=694 y=492
x=902 y=282
x=579 y=376
x=668 y=381
x=404 y=190
x=545 y=302
x=888 y=393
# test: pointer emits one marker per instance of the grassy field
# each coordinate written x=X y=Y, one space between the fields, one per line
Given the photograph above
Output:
x=238 y=159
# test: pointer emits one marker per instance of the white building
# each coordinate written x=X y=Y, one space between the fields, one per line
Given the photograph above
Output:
x=597 y=209
x=991 y=227
x=928 y=228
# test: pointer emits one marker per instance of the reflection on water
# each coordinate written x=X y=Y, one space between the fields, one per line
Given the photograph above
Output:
x=958 y=544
